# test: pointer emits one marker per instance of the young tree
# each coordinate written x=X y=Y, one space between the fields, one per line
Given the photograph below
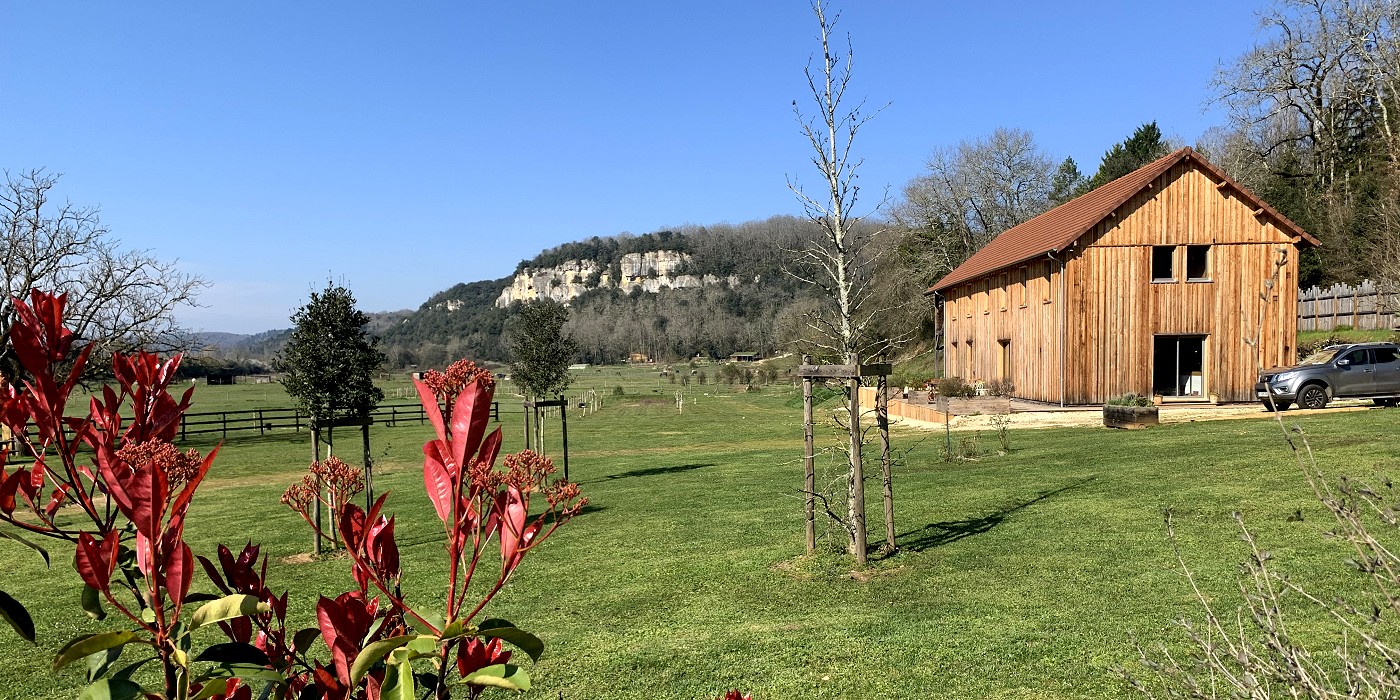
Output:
x=118 y=300
x=330 y=360
x=540 y=352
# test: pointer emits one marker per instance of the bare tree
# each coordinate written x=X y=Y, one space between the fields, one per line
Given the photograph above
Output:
x=843 y=258
x=117 y=299
x=971 y=193
x=840 y=260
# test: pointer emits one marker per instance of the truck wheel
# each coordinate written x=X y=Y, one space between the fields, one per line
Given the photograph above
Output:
x=1313 y=396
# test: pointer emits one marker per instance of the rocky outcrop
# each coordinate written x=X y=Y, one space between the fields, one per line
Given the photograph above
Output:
x=650 y=272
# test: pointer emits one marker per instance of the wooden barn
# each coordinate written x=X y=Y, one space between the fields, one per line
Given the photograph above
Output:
x=1150 y=284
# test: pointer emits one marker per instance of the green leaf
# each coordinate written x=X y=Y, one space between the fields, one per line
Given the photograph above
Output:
x=12 y=536
x=398 y=682
x=375 y=652
x=247 y=672
x=112 y=689
x=432 y=618
x=303 y=638
x=17 y=616
x=227 y=608
x=233 y=653
x=508 y=676
x=100 y=663
x=92 y=603
x=91 y=644
x=506 y=632
x=458 y=628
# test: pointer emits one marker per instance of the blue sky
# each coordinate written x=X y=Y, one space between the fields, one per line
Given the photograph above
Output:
x=406 y=147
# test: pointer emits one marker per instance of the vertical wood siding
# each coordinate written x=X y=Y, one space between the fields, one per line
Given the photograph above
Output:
x=1114 y=308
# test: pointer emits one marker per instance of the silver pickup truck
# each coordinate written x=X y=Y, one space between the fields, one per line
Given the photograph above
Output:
x=1355 y=371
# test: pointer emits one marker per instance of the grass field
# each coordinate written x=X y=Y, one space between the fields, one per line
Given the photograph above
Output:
x=1020 y=575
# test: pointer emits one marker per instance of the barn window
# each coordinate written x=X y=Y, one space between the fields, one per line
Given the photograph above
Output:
x=1163 y=263
x=1197 y=263
x=1025 y=286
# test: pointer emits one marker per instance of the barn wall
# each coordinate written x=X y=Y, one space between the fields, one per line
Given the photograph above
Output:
x=1017 y=306
x=1114 y=308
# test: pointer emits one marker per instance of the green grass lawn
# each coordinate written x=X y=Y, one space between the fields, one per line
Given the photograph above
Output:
x=1020 y=575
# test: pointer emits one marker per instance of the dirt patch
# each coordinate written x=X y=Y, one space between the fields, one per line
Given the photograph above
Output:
x=1078 y=417
x=302 y=558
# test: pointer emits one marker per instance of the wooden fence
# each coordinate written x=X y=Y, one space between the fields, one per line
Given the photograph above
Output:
x=1364 y=306
x=262 y=420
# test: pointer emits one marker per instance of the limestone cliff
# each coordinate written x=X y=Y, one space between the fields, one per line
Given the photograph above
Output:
x=651 y=272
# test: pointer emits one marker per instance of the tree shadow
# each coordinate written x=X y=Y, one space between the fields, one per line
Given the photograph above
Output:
x=656 y=471
x=947 y=532
x=438 y=537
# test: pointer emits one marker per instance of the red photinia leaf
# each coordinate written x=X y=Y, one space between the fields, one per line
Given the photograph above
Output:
x=145 y=556
x=470 y=415
x=330 y=686
x=430 y=407
x=182 y=501
x=57 y=498
x=490 y=447
x=147 y=490
x=179 y=570
x=474 y=655
x=510 y=505
x=437 y=480
x=383 y=550
x=8 y=488
x=352 y=526
x=95 y=560
x=212 y=572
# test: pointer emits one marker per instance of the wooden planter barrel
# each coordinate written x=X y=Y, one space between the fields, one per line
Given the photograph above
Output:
x=1129 y=416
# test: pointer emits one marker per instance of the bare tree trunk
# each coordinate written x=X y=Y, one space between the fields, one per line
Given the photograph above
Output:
x=856 y=476
x=809 y=487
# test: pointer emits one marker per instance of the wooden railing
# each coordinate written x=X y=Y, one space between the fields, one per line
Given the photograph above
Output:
x=262 y=420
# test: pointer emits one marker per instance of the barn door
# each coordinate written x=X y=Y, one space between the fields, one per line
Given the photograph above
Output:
x=1178 y=366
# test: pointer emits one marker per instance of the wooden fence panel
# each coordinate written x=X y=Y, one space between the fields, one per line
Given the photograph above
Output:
x=1364 y=306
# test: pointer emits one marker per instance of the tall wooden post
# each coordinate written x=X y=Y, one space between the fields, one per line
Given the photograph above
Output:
x=564 y=432
x=316 y=504
x=369 y=470
x=857 y=475
x=526 y=420
x=809 y=461
x=882 y=418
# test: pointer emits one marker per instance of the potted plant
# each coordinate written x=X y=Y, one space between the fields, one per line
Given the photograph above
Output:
x=1129 y=411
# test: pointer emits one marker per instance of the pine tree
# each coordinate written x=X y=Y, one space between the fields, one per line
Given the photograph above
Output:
x=1143 y=147
x=330 y=360
x=1067 y=183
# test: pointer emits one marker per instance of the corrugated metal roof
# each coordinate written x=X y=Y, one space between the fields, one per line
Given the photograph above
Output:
x=1056 y=229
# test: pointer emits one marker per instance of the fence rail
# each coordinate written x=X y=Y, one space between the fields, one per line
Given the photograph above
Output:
x=263 y=420
x=1364 y=306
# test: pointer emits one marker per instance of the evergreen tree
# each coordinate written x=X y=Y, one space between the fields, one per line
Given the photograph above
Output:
x=330 y=360
x=1067 y=183
x=1143 y=147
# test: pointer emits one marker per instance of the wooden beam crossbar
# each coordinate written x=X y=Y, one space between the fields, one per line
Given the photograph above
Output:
x=844 y=371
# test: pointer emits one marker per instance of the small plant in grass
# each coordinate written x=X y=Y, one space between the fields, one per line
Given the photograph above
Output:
x=618 y=391
x=1002 y=423
x=1000 y=388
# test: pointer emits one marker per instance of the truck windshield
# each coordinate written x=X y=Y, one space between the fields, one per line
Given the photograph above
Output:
x=1321 y=357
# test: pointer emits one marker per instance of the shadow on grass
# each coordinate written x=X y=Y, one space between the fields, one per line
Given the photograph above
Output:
x=656 y=471
x=947 y=532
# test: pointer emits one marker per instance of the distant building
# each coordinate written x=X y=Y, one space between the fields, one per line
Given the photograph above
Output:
x=744 y=357
x=219 y=379
x=638 y=358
